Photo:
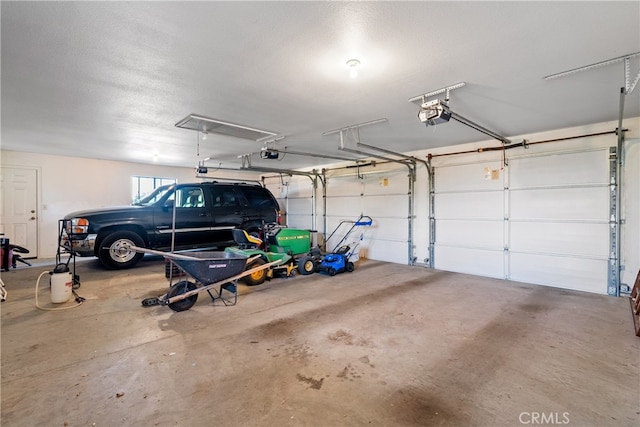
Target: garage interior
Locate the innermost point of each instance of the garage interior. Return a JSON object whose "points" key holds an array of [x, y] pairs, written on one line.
{"points": [[495, 145]]}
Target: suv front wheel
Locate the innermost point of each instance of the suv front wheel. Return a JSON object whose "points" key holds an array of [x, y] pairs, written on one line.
{"points": [[114, 252]]}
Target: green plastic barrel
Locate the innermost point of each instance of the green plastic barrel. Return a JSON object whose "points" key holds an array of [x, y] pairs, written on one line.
{"points": [[291, 240]]}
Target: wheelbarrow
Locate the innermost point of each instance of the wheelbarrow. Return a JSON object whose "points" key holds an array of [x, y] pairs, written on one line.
{"points": [[211, 270]]}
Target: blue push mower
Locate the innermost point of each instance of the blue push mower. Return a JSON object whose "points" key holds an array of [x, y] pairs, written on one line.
{"points": [[339, 259]]}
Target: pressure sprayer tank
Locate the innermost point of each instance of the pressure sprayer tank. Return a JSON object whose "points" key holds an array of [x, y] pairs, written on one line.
{"points": [[61, 285]]}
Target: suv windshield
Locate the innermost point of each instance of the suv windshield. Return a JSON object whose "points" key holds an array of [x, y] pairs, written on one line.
{"points": [[154, 197]]}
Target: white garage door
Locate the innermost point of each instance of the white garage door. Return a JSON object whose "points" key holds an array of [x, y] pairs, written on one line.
{"points": [[543, 219], [296, 198], [384, 197]]}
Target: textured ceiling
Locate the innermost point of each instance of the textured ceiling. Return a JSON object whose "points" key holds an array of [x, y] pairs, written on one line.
{"points": [[109, 80]]}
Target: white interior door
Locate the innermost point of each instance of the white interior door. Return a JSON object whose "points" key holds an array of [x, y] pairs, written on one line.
{"points": [[19, 207]]}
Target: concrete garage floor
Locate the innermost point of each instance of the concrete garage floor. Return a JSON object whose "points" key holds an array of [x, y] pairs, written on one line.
{"points": [[387, 345]]}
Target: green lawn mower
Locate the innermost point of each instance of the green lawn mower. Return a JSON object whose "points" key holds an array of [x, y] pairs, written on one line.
{"points": [[290, 247]]}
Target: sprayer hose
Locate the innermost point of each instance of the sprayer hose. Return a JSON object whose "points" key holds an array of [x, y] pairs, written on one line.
{"points": [[48, 308]]}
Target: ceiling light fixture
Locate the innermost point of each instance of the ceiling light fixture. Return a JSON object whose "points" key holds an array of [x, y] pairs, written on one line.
{"points": [[353, 67]]}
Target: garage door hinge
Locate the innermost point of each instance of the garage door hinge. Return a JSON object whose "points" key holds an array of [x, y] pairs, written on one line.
{"points": [[506, 248]]}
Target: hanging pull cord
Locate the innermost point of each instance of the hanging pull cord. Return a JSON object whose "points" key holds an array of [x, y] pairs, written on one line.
{"points": [[505, 162]]}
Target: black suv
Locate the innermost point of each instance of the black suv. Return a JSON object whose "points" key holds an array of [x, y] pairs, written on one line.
{"points": [[205, 214]]}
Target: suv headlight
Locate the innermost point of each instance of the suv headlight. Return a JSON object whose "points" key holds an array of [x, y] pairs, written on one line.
{"points": [[77, 226]]}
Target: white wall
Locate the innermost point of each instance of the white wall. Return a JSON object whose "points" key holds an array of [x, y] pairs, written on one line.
{"points": [[68, 184]]}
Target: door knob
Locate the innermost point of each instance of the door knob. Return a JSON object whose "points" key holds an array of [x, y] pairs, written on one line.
{"points": [[33, 211], [32, 218]]}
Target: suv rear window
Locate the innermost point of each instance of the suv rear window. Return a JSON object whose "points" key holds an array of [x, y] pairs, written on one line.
{"points": [[224, 196], [258, 197]]}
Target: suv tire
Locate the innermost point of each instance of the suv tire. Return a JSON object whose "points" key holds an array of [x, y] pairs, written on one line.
{"points": [[113, 253]]}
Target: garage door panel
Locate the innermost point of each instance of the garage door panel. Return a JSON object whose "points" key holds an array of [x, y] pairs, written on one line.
{"points": [[300, 206], [348, 207], [387, 229], [584, 203], [390, 251], [302, 188], [387, 183], [485, 204], [470, 177], [334, 221], [565, 272], [386, 206], [550, 210], [383, 235], [300, 221], [276, 189], [381, 228], [295, 198], [558, 169], [480, 262], [303, 221], [344, 186], [582, 239], [482, 234]]}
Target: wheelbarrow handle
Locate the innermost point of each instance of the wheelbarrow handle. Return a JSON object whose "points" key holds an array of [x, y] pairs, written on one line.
{"points": [[169, 255], [221, 282]]}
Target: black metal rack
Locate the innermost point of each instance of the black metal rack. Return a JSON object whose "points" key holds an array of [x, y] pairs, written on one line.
{"points": [[65, 248]]}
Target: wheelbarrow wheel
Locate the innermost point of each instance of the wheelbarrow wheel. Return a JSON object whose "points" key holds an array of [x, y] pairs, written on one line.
{"points": [[179, 289], [306, 265], [258, 277]]}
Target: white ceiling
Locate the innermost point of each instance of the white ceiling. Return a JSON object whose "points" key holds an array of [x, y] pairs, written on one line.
{"points": [[109, 80]]}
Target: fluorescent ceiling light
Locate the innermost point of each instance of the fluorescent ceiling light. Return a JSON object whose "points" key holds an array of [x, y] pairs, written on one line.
{"points": [[207, 125]]}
